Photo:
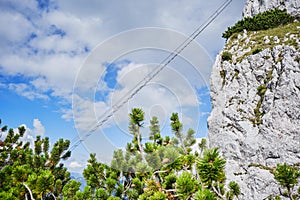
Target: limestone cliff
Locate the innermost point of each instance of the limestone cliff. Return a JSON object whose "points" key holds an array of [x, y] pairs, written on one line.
{"points": [[254, 7], [255, 94]]}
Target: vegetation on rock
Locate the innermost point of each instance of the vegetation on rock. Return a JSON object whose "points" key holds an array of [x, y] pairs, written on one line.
{"points": [[287, 177], [262, 21], [226, 56], [171, 169]]}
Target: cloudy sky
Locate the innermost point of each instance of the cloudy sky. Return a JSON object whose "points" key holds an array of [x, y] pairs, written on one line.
{"points": [[64, 63]]}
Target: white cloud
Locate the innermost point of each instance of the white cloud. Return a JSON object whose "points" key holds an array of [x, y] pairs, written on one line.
{"points": [[30, 134], [81, 30], [162, 96], [85, 112], [38, 128], [75, 164], [25, 90], [67, 114], [50, 60], [14, 22]]}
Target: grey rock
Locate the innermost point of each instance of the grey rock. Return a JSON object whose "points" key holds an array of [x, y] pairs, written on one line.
{"points": [[253, 7], [231, 123], [267, 40], [276, 39]]}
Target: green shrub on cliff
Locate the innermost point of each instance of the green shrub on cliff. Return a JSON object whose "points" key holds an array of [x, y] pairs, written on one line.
{"points": [[261, 21]]}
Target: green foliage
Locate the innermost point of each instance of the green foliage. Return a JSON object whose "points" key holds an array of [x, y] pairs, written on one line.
{"points": [[169, 181], [211, 167], [176, 125], [205, 194], [137, 116], [36, 171], [101, 193], [257, 40], [154, 129], [256, 51], [94, 172], [223, 76], [202, 145], [168, 171], [186, 140], [45, 182], [234, 188], [158, 196], [262, 21], [236, 73], [226, 56], [287, 176], [186, 185], [70, 189], [261, 90], [152, 191], [136, 122], [113, 198]]}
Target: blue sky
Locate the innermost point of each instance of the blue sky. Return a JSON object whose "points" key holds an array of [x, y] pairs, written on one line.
{"points": [[47, 45]]}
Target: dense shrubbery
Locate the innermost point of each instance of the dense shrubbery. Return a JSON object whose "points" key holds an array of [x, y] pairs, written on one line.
{"points": [[160, 169], [261, 21], [31, 173]]}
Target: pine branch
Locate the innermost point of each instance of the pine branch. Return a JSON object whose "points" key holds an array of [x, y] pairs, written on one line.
{"points": [[127, 187], [140, 145], [217, 191], [53, 196], [31, 197], [169, 190], [163, 171]]}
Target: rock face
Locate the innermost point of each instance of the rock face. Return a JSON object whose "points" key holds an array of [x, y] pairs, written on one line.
{"points": [[255, 120], [254, 7]]}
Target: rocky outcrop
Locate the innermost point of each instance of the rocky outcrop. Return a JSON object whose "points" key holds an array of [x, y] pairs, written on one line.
{"points": [[255, 94], [254, 7]]}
